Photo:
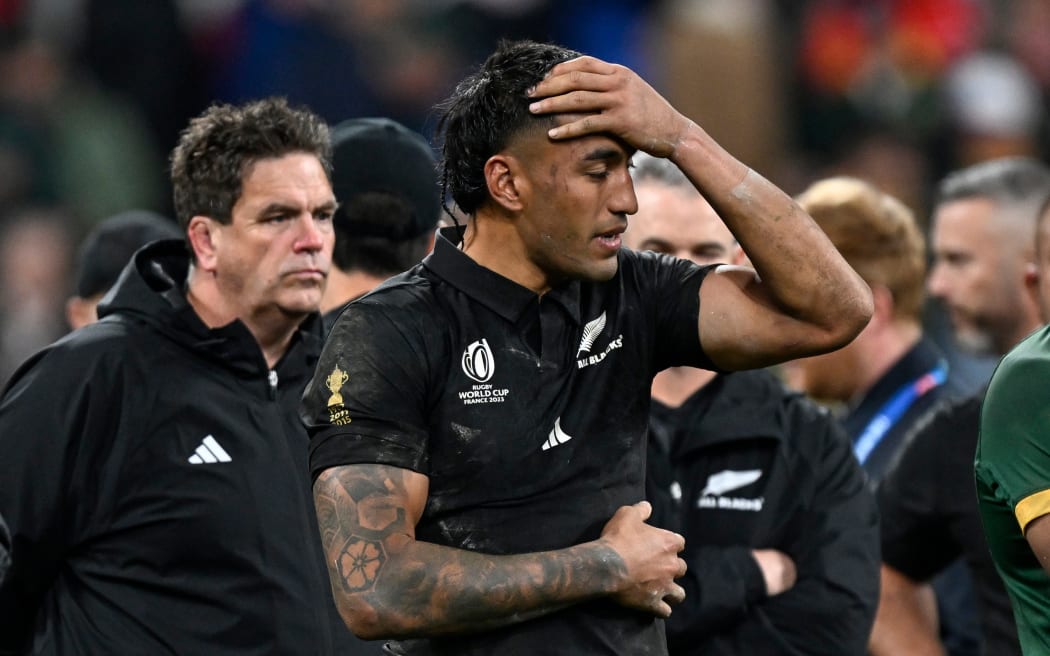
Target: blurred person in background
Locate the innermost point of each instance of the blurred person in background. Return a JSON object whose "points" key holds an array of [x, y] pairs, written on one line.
{"points": [[385, 179], [36, 247], [70, 142], [879, 237], [891, 374], [781, 533], [983, 247], [1012, 467], [104, 253]]}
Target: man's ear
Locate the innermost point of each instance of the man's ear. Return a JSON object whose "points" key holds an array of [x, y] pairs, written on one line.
{"points": [[506, 182], [1031, 275], [205, 237]]}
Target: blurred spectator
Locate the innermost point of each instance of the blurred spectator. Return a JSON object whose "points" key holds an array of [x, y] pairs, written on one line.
{"points": [[69, 142], [993, 108], [142, 52], [984, 224], [35, 254], [891, 374], [878, 62], [729, 46], [103, 254]]}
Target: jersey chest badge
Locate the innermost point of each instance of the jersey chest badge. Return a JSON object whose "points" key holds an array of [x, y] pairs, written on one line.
{"points": [[479, 365]]}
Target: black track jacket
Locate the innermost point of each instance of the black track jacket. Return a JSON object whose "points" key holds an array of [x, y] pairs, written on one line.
{"points": [[154, 478], [744, 464]]}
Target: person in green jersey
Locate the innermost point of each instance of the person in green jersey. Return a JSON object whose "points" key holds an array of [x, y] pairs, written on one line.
{"points": [[1012, 466]]}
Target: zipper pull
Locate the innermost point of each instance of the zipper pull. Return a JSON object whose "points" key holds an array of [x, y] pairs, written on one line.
{"points": [[273, 383]]}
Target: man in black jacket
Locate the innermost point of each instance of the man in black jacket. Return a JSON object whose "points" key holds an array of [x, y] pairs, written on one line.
{"points": [[781, 530], [154, 470]]}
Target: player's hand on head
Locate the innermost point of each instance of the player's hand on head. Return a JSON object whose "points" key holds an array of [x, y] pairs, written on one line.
{"points": [[612, 99]]}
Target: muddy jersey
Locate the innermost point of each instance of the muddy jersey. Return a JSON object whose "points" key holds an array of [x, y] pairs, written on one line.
{"points": [[527, 414]]}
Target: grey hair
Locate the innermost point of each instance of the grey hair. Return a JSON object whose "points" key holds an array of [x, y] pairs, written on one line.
{"points": [[1011, 181]]}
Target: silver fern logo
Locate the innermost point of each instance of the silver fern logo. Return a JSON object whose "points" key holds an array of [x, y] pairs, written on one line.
{"points": [[590, 333], [712, 496], [478, 362], [729, 480]]}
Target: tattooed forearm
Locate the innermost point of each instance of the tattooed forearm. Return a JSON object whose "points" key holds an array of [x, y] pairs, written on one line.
{"points": [[389, 585]]}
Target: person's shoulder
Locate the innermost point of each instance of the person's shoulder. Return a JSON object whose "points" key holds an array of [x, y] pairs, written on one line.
{"points": [[760, 399], [632, 261], [764, 387], [407, 304], [645, 271], [413, 288], [757, 386], [105, 345], [1026, 363], [99, 339]]}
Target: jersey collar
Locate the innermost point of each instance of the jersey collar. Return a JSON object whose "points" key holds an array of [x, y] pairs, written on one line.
{"points": [[501, 295]]}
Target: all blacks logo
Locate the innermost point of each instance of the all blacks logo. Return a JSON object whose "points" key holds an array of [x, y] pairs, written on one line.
{"points": [[477, 361]]}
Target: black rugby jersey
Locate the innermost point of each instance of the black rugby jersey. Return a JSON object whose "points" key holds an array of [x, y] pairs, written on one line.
{"points": [[528, 414]]}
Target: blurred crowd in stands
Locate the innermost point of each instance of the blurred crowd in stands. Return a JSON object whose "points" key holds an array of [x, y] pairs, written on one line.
{"points": [[94, 92]]}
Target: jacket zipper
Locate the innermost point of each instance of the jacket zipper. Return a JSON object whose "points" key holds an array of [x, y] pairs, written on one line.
{"points": [[273, 384]]}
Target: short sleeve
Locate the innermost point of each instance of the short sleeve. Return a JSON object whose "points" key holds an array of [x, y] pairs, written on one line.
{"points": [[1014, 447], [367, 399], [671, 289]]}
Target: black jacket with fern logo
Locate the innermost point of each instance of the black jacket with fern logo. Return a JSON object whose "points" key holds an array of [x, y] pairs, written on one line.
{"points": [[744, 464]]}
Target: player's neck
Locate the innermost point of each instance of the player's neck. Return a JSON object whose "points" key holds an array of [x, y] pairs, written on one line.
{"points": [[492, 241]]}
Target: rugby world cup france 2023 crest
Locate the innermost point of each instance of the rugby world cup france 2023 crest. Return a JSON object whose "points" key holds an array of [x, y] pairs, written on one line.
{"points": [[478, 363]]}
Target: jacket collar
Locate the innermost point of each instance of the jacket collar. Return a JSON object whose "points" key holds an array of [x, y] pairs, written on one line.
{"points": [[151, 289]]}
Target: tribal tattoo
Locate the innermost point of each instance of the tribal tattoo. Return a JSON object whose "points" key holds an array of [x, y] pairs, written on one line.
{"points": [[402, 588]]}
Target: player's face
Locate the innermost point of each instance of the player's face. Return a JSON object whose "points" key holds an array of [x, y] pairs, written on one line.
{"points": [[577, 197], [679, 222], [977, 274], [274, 255]]}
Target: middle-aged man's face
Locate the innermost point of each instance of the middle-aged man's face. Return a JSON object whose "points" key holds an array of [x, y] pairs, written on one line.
{"points": [[578, 194], [274, 255], [679, 221], [978, 273]]}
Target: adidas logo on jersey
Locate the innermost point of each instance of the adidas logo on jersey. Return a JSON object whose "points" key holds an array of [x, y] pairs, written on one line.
{"points": [[209, 451], [557, 436]]}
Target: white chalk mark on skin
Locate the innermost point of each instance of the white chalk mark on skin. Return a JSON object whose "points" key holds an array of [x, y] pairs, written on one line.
{"points": [[744, 189]]}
